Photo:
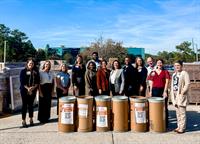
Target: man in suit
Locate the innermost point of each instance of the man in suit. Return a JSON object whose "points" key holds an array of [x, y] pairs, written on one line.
{"points": [[130, 75]]}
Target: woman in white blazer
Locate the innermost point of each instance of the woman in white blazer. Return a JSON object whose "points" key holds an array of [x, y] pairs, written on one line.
{"points": [[179, 95], [116, 79]]}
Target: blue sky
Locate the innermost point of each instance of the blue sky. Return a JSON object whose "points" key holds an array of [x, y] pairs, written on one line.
{"points": [[156, 25]]}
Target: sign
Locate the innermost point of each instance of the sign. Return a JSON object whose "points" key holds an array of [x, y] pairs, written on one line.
{"points": [[67, 116], [83, 110], [102, 117], [140, 113]]}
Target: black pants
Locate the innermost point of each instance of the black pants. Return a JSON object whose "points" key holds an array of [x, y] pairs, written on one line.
{"points": [[27, 103], [112, 87], [158, 92], [44, 109]]}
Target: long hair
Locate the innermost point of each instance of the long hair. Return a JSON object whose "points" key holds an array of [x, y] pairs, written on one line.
{"points": [[79, 56], [119, 65], [66, 67], [30, 59], [163, 68], [47, 61], [136, 61], [88, 66]]}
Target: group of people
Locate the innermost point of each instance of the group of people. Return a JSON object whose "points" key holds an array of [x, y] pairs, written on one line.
{"points": [[95, 78]]}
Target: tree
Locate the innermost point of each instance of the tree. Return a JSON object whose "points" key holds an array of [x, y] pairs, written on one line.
{"points": [[185, 52], [40, 55], [168, 57], [106, 49], [68, 57], [19, 48], [4, 35]]}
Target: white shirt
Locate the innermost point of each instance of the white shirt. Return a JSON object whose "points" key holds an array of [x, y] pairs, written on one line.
{"points": [[46, 77], [150, 69], [113, 76]]}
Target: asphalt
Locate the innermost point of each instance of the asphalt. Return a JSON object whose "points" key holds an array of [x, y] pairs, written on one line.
{"points": [[11, 133]]}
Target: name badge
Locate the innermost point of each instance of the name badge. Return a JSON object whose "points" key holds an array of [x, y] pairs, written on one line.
{"points": [[28, 73]]}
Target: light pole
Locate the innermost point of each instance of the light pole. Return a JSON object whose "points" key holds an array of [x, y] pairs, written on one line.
{"points": [[4, 58]]}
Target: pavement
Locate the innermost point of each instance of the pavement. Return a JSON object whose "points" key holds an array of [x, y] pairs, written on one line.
{"points": [[11, 133]]}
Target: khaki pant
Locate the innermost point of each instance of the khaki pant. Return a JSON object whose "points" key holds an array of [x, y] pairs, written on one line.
{"points": [[181, 117]]}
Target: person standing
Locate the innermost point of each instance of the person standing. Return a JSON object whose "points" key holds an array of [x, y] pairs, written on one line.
{"points": [[142, 76], [159, 80], [46, 89], [150, 67], [130, 76], [90, 80], [29, 81], [63, 83], [78, 76], [179, 95], [103, 75], [116, 80], [95, 59]]}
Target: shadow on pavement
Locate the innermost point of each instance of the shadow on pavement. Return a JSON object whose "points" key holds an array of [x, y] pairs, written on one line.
{"points": [[193, 121]]}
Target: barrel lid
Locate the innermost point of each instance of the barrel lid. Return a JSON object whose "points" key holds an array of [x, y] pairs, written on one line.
{"points": [[156, 99], [119, 98], [138, 99], [103, 98], [67, 99], [84, 97]]}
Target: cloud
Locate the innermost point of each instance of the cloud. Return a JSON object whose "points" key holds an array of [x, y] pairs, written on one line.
{"points": [[139, 25]]}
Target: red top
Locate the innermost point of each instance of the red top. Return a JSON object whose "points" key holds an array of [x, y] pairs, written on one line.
{"points": [[159, 80]]}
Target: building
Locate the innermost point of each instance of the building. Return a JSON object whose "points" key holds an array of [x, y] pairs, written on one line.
{"points": [[62, 50], [136, 51]]}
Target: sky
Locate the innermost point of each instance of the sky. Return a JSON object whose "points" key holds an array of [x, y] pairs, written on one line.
{"points": [[156, 25]]}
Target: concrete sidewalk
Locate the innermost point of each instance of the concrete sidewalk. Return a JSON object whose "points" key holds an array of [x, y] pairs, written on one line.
{"points": [[11, 133]]}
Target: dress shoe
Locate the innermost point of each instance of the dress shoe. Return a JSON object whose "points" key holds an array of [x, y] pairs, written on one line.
{"points": [[180, 132], [176, 130]]}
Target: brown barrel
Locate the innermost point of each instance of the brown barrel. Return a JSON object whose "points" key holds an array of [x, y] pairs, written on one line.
{"points": [[85, 110], [139, 114], [103, 113], [157, 114], [120, 113], [67, 114]]}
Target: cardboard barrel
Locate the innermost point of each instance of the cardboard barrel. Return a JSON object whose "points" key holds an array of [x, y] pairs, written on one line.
{"points": [[157, 114], [85, 110], [120, 113], [139, 114], [103, 113], [67, 114]]}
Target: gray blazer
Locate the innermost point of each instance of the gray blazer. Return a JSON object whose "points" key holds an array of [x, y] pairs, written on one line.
{"points": [[119, 81]]}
